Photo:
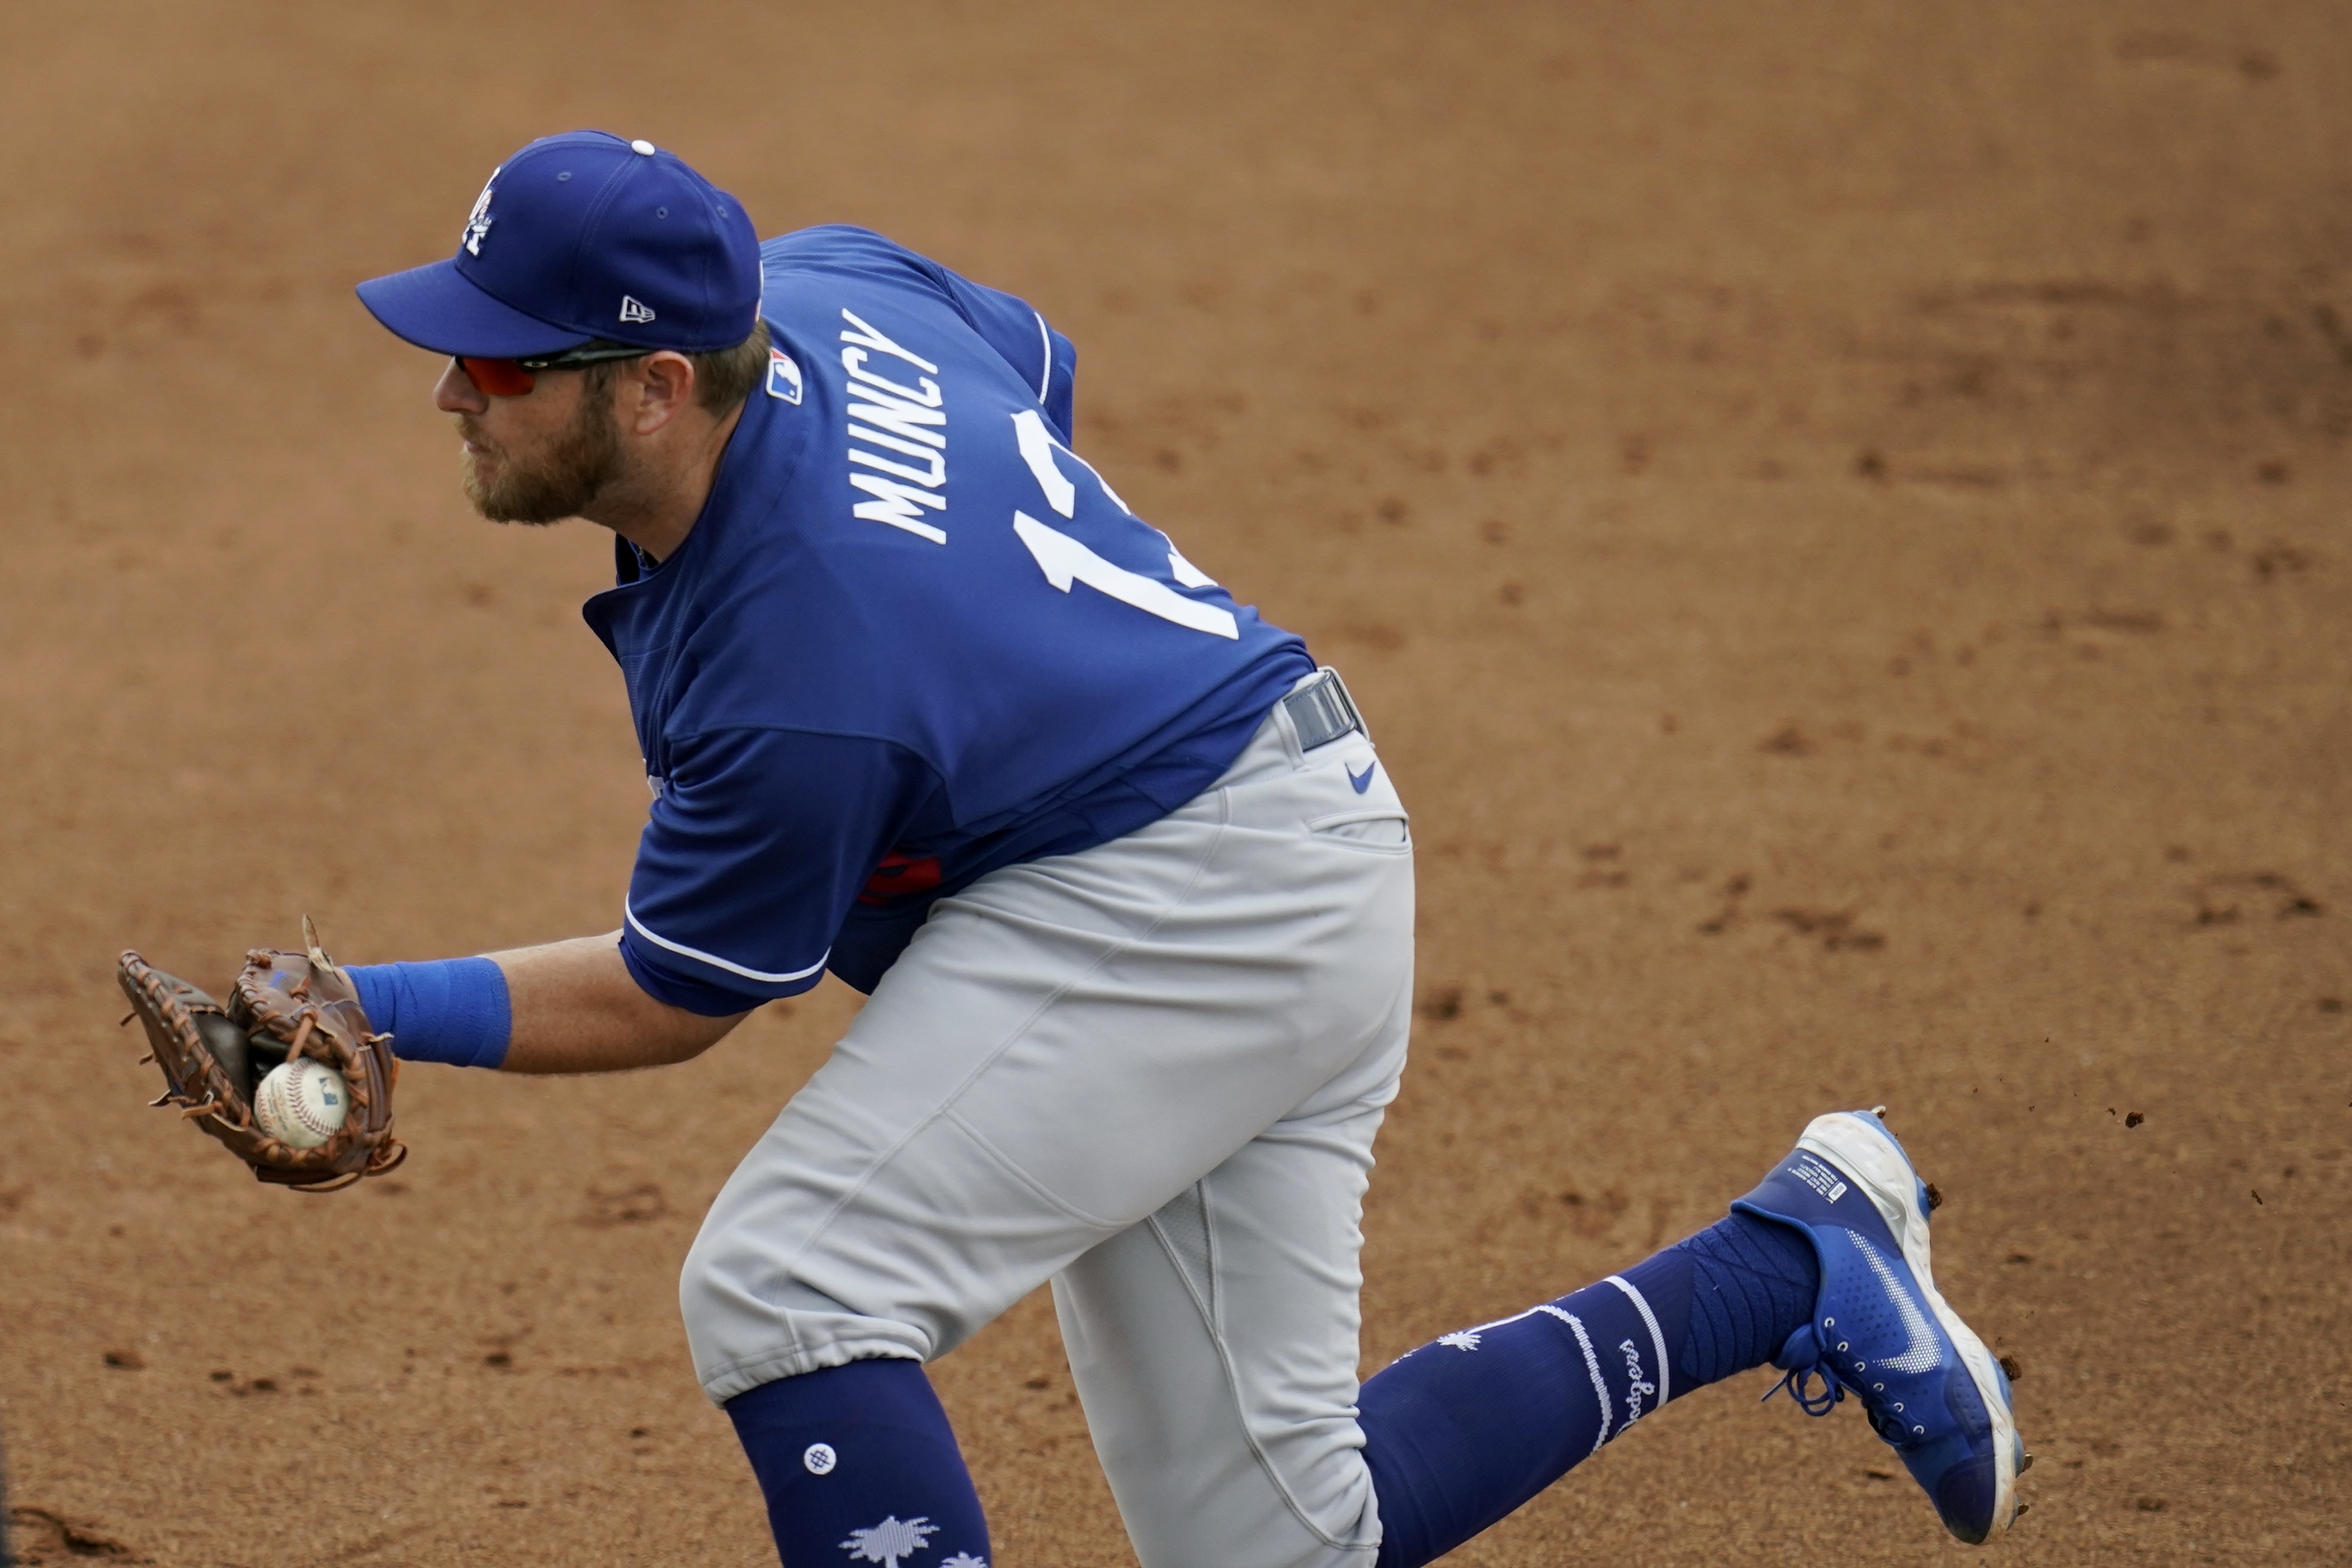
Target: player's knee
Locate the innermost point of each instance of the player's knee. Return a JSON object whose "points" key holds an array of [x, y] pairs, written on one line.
{"points": [[750, 1319], [729, 1305], [722, 1283]]}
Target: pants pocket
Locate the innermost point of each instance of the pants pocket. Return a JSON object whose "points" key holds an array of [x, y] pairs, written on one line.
{"points": [[1372, 827]]}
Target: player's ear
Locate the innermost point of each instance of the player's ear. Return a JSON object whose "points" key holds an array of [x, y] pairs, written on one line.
{"points": [[662, 384]]}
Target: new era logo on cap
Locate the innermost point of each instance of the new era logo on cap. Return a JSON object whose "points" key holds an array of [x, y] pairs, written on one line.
{"points": [[633, 310]]}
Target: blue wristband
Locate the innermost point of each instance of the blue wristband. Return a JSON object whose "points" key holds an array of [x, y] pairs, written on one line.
{"points": [[452, 1010]]}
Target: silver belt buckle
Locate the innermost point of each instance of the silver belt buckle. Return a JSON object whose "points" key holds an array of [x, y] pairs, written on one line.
{"points": [[1322, 711]]}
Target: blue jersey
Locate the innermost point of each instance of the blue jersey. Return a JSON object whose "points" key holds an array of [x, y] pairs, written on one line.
{"points": [[912, 638]]}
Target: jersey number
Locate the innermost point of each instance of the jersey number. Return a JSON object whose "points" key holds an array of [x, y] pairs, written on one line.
{"points": [[1065, 560]]}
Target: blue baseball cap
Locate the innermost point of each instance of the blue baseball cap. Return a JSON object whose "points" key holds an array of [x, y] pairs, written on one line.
{"points": [[582, 236]]}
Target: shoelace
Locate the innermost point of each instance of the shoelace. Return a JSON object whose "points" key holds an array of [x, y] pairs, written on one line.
{"points": [[1887, 1425], [1814, 1404], [1804, 1358]]}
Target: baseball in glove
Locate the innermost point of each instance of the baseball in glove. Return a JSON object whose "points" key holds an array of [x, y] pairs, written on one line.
{"points": [[284, 1005]]}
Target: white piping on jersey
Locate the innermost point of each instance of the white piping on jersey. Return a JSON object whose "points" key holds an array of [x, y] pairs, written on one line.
{"points": [[714, 960], [1045, 376], [1657, 1340]]}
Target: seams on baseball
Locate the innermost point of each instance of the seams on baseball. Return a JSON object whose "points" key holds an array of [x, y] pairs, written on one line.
{"points": [[302, 1103]]}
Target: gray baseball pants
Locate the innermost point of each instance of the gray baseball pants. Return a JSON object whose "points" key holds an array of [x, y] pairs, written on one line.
{"points": [[1150, 1073]]}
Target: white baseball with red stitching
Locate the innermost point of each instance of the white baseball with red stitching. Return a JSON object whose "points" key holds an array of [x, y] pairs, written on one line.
{"points": [[302, 1103]]}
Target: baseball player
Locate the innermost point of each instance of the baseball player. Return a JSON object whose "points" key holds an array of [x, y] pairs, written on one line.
{"points": [[925, 704]]}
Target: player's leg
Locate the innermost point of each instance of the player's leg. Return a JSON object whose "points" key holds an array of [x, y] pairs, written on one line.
{"points": [[1823, 1270], [860, 1458], [1464, 1430], [1065, 1047], [1214, 1345]]}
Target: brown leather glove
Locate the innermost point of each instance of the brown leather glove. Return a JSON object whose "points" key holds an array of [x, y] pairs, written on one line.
{"points": [[284, 1005]]}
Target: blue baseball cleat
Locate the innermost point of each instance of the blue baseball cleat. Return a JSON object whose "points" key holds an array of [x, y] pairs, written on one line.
{"points": [[1882, 1332]]}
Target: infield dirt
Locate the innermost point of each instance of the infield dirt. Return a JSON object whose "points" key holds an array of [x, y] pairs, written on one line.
{"points": [[1835, 514]]}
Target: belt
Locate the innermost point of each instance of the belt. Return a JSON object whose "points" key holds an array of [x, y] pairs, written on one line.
{"points": [[1321, 711]]}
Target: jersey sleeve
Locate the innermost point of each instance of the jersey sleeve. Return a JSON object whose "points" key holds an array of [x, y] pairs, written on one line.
{"points": [[759, 843], [1017, 332]]}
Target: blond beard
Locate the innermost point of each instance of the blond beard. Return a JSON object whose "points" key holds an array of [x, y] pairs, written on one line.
{"points": [[562, 483]]}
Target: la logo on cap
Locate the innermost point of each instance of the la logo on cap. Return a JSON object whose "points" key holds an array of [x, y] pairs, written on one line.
{"points": [[632, 311], [477, 221]]}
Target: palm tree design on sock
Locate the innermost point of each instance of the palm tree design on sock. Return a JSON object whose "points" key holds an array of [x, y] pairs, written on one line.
{"points": [[965, 1560], [892, 1539]]}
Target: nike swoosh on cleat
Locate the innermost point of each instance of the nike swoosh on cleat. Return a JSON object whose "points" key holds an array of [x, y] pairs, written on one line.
{"points": [[1364, 783], [1922, 1353]]}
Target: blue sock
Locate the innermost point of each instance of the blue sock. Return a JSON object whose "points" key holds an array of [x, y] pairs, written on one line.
{"points": [[1461, 1432], [1752, 1285], [860, 1459], [454, 1010]]}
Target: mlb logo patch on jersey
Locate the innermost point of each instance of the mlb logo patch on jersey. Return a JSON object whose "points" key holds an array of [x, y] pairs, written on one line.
{"points": [[784, 376]]}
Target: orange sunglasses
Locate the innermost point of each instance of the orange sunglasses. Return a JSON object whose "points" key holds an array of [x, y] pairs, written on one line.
{"points": [[514, 377]]}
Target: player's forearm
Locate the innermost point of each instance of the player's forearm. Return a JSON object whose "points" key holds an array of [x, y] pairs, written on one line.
{"points": [[576, 1008], [567, 1006]]}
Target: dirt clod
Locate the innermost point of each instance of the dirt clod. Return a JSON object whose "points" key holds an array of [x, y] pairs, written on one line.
{"points": [[1442, 1005], [42, 1537]]}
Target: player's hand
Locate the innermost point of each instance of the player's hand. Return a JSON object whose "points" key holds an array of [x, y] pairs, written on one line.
{"points": [[288, 1075]]}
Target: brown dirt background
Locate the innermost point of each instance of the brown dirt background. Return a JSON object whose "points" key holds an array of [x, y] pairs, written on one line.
{"points": [[1835, 511]]}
